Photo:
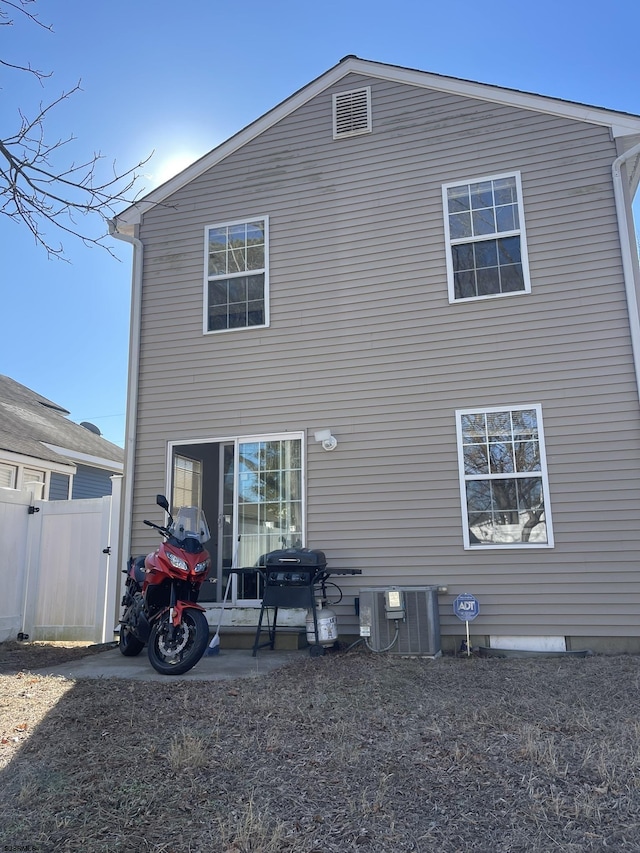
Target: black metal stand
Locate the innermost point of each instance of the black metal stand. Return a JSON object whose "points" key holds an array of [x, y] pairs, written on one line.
{"points": [[287, 595]]}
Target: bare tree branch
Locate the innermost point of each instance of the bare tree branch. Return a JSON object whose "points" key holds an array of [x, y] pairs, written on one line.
{"points": [[22, 6], [37, 189]]}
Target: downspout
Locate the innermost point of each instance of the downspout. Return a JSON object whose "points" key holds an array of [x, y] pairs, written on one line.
{"points": [[629, 261], [132, 393]]}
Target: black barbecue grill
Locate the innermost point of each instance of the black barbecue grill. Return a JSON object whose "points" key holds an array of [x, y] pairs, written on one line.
{"points": [[293, 578]]}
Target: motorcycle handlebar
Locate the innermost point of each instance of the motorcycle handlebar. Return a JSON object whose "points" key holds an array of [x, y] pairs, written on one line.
{"points": [[157, 527]]}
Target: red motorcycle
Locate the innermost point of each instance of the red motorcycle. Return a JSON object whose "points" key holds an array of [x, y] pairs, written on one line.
{"points": [[161, 595]]}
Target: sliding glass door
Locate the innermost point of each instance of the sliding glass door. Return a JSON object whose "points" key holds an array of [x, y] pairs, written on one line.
{"points": [[261, 497]]}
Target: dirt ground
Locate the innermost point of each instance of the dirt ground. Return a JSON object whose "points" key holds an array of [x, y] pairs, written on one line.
{"points": [[351, 751]]}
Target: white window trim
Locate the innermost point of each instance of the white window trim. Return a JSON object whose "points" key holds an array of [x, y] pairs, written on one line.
{"points": [[205, 294], [13, 472], [521, 232], [543, 476], [20, 462], [42, 488], [69, 487]]}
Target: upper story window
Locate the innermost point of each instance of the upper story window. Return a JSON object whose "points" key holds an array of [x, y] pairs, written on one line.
{"points": [[503, 477], [487, 247], [236, 286]]}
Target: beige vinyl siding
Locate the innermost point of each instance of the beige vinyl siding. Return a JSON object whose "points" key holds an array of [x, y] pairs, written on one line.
{"points": [[364, 341]]}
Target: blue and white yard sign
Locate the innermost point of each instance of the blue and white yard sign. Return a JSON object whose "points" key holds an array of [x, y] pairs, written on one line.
{"points": [[466, 607]]}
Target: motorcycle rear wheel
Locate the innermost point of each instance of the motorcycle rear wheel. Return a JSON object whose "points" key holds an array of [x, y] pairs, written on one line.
{"points": [[129, 645], [175, 652]]}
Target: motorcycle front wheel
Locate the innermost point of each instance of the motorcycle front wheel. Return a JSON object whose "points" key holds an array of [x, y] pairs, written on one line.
{"points": [[176, 649]]}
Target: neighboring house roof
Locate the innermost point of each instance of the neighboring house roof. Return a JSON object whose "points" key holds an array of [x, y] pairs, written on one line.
{"points": [[31, 425], [624, 126]]}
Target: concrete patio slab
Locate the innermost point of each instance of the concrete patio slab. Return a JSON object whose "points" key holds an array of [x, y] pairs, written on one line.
{"points": [[231, 663]]}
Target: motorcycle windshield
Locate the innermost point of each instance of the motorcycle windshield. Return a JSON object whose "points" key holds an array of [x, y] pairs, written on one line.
{"points": [[190, 523]]}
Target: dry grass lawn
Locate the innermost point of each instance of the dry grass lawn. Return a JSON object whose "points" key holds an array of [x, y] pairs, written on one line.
{"points": [[346, 752]]}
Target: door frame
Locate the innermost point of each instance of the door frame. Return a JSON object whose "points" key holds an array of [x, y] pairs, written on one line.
{"points": [[214, 522]]}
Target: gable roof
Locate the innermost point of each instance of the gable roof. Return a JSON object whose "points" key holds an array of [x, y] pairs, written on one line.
{"points": [[31, 425], [624, 126]]}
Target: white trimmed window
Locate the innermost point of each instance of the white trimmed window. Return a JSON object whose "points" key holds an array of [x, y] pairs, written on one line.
{"points": [[486, 241], [503, 478], [236, 286], [8, 476], [25, 479], [35, 481]]}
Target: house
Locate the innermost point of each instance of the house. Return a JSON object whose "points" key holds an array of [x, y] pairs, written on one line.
{"points": [[396, 319], [43, 452]]}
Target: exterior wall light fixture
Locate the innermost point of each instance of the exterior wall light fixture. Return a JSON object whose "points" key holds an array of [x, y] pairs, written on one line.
{"points": [[328, 441]]}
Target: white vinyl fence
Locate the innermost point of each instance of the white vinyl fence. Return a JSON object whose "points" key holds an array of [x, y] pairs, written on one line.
{"points": [[57, 578]]}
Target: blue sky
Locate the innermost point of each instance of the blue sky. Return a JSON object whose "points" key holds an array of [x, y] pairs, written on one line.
{"points": [[179, 79]]}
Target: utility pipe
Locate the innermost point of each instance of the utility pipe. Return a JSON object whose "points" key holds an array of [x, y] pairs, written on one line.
{"points": [[126, 508]]}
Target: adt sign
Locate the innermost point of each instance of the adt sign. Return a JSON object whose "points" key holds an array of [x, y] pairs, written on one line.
{"points": [[466, 607]]}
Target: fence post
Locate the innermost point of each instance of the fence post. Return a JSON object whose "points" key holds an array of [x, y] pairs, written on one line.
{"points": [[109, 616], [32, 569]]}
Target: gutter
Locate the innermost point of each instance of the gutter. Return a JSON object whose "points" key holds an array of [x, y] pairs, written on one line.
{"points": [[629, 261], [86, 458], [126, 507]]}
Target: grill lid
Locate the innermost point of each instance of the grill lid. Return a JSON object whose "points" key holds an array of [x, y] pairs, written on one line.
{"points": [[294, 560]]}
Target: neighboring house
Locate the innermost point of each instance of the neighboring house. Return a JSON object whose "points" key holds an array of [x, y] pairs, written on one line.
{"points": [[441, 275], [43, 452]]}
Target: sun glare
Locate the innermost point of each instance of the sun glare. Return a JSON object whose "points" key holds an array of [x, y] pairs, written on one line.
{"points": [[167, 167]]}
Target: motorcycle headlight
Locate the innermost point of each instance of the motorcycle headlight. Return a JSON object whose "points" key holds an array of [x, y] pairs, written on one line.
{"points": [[177, 563], [203, 566]]}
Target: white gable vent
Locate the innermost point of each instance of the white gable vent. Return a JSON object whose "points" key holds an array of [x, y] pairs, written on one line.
{"points": [[352, 113]]}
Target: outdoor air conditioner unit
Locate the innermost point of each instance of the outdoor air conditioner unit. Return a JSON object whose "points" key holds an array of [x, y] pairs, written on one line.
{"points": [[413, 614]]}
